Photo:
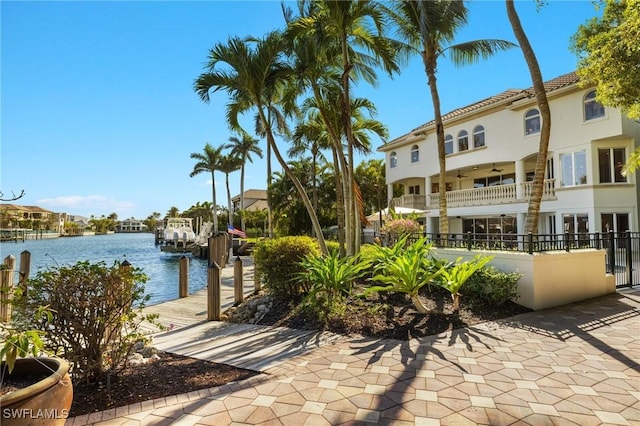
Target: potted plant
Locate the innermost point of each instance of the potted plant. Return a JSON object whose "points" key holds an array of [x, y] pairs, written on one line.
{"points": [[35, 389]]}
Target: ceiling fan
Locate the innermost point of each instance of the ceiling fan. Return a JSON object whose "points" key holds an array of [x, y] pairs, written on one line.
{"points": [[494, 170], [460, 176]]}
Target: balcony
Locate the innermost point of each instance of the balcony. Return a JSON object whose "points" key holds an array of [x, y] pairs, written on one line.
{"points": [[490, 195]]}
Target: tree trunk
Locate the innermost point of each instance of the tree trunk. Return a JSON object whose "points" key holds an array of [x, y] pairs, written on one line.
{"points": [[353, 219], [430, 69], [242, 221], [533, 210], [269, 221], [214, 209]]}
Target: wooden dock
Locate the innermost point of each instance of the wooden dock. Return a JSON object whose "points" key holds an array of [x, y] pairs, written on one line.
{"points": [[250, 346]]}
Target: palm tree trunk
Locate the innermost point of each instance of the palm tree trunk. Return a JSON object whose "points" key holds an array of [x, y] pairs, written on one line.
{"points": [[296, 182], [242, 224], [352, 217], [214, 209], [269, 178], [537, 188], [442, 186]]}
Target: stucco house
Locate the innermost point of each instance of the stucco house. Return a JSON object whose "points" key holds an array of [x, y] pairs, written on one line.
{"points": [[491, 148]]}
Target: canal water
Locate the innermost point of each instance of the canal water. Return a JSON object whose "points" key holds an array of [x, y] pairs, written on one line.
{"points": [[137, 249]]}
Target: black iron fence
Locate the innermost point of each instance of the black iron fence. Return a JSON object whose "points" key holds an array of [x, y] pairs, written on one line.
{"points": [[622, 248]]}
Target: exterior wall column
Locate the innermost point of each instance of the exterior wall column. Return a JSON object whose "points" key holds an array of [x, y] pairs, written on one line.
{"points": [[520, 221], [521, 178], [427, 191], [429, 225], [389, 195]]}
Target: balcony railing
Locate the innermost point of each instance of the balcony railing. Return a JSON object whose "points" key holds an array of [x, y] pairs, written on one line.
{"points": [[490, 195]]}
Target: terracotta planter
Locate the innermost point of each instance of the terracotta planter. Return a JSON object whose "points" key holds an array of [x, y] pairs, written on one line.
{"points": [[46, 402]]}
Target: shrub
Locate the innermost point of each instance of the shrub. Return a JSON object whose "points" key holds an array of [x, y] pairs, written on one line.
{"points": [[492, 286], [96, 312], [454, 277], [398, 228], [330, 279], [278, 263]]}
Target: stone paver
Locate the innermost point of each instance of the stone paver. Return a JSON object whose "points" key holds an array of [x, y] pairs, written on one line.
{"points": [[577, 364]]}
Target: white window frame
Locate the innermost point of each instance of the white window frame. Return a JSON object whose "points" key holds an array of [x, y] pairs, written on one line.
{"points": [[448, 140], [529, 117], [572, 160], [477, 132], [393, 160], [415, 154], [589, 104], [463, 136]]}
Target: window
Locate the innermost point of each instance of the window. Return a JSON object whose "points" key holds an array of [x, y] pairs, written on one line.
{"points": [[610, 164], [415, 190], [574, 168], [478, 136], [415, 154], [463, 141], [592, 108], [532, 122], [393, 159], [448, 144], [576, 223]]}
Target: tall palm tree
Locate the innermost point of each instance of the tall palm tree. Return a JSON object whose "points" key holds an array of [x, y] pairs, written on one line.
{"points": [[209, 161], [428, 28], [243, 148], [254, 74], [537, 187], [357, 31], [228, 164]]}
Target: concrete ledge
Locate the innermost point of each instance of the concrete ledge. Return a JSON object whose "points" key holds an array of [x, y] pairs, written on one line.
{"points": [[551, 278]]}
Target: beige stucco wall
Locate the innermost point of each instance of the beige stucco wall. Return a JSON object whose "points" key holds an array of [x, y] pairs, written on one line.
{"points": [[550, 279]]}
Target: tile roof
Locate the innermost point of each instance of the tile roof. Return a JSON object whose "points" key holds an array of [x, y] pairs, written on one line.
{"points": [[511, 95]]}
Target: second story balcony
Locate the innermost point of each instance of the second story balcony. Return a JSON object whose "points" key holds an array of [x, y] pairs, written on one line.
{"points": [[490, 195]]}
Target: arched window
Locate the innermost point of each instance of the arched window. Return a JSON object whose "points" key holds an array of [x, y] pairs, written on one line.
{"points": [[463, 141], [448, 144], [393, 159], [592, 108], [415, 154], [478, 136], [532, 122]]}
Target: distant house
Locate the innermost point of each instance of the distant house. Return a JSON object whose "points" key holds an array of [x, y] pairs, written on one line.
{"points": [[254, 199], [27, 217], [131, 225]]}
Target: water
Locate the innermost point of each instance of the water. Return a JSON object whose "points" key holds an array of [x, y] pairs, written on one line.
{"points": [[137, 249]]}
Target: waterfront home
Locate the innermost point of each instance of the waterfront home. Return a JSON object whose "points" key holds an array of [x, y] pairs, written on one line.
{"points": [[254, 199], [131, 225], [491, 149]]}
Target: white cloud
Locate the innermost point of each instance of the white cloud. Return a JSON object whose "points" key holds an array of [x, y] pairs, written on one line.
{"points": [[86, 204]]}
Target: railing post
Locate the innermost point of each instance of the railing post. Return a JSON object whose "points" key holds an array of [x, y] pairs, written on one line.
{"points": [[530, 238], [183, 287], [597, 237], [627, 237], [469, 242], [6, 288], [566, 242], [612, 252], [237, 280], [213, 292]]}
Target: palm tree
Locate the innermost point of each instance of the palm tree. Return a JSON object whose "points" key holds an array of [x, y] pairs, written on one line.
{"points": [[243, 148], [537, 187], [209, 161], [356, 30], [228, 164], [428, 28], [254, 75]]}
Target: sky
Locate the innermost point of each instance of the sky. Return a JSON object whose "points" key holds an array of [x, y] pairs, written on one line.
{"points": [[98, 114]]}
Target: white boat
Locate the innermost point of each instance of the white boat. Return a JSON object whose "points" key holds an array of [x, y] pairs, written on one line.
{"points": [[178, 233]]}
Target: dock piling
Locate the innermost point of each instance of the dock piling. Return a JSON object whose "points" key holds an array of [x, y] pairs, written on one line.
{"points": [[213, 292], [183, 288]]}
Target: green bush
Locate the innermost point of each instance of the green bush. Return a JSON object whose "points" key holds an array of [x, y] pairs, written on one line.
{"points": [[278, 263], [492, 286], [96, 313]]}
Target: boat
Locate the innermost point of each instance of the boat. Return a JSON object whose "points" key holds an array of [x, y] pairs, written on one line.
{"points": [[177, 235]]}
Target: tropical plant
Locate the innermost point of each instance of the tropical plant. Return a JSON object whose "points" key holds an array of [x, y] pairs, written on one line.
{"points": [[209, 161], [399, 227], [354, 33], [254, 75], [609, 55], [537, 186], [243, 148], [229, 163], [330, 278], [490, 286], [428, 28], [406, 269], [454, 277]]}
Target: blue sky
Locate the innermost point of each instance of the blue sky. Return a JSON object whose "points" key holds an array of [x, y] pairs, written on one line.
{"points": [[98, 112]]}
